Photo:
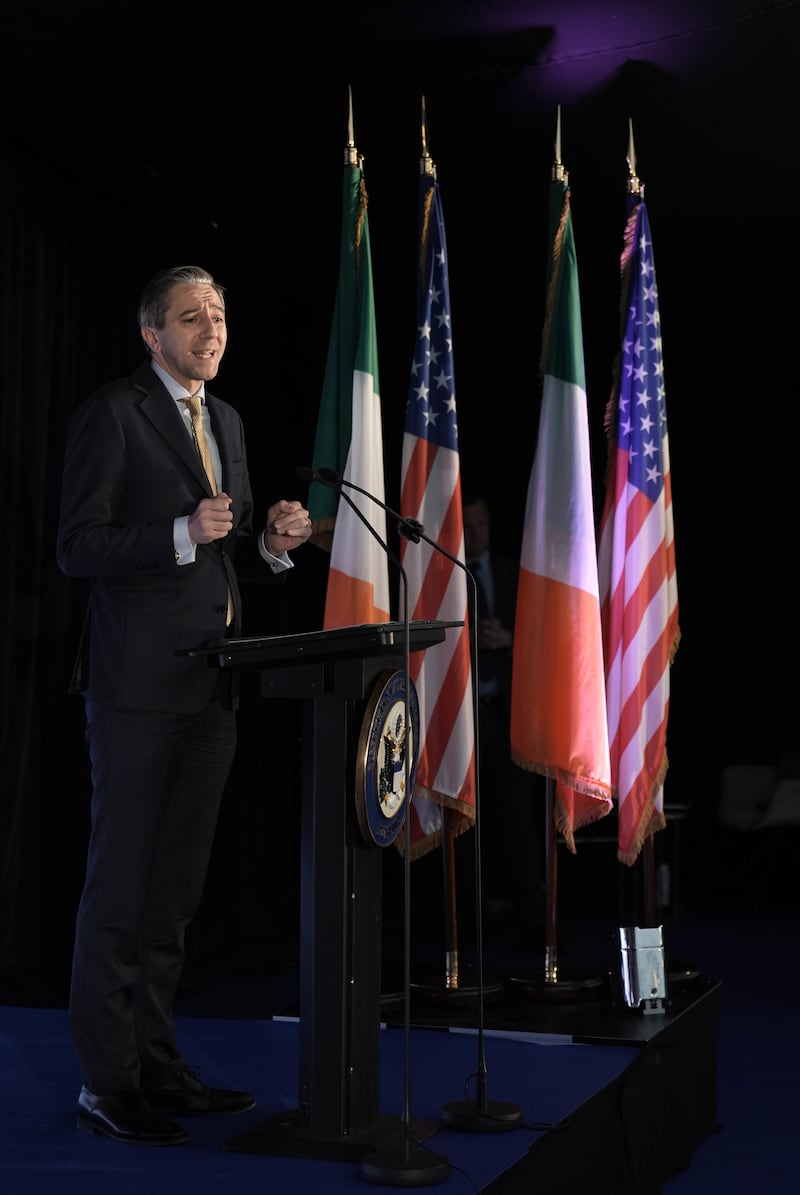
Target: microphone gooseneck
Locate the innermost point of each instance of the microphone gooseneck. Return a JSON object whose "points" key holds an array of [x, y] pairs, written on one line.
{"points": [[409, 528]]}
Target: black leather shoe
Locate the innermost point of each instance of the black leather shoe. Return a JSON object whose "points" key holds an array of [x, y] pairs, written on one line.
{"points": [[183, 1094], [126, 1117]]}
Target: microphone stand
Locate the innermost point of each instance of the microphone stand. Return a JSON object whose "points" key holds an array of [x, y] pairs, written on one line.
{"points": [[414, 1166], [482, 1114]]}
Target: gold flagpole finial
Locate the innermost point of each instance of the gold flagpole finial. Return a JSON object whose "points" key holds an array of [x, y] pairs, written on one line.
{"points": [[350, 151], [635, 185], [559, 174], [426, 165]]}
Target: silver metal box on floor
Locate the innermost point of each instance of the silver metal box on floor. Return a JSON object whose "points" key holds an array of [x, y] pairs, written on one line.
{"points": [[638, 971]]}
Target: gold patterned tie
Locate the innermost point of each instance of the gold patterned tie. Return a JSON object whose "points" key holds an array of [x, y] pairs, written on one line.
{"points": [[195, 405]]}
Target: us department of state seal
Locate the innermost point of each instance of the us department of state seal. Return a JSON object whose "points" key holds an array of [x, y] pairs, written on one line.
{"points": [[386, 758]]}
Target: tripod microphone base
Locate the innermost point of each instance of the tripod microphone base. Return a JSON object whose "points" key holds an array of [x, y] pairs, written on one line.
{"points": [[498, 1116], [407, 1167]]}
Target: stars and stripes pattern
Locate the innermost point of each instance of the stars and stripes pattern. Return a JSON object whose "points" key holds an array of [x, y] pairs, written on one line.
{"points": [[431, 494], [639, 595]]}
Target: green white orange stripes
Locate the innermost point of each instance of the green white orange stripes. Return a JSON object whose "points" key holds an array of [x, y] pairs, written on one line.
{"points": [[558, 709], [349, 437]]}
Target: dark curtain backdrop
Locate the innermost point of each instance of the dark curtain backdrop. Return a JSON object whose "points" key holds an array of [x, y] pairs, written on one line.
{"points": [[89, 215], [72, 266]]}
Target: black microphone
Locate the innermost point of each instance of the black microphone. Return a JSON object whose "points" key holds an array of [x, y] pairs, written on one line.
{"points": [[306, 474], [409, 528], [323, 475]]}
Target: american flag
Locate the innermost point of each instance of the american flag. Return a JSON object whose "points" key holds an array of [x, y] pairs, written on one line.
{"points": [[431, 494], [638, 585]]}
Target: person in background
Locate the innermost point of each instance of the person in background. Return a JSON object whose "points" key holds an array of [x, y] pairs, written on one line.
{"points": [[156, 530], [512, 799]]}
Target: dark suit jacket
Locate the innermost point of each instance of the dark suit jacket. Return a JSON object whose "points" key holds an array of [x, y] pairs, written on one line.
{"points": [[130, 469]]}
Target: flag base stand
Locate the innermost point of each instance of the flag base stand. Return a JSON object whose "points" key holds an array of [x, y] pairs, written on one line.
{"points": [[681, 971], [455, 986], [431, 985], [554, 985], [559, 989]]}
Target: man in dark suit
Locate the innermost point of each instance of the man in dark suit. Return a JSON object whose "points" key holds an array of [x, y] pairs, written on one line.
{"points": [[512, 799], [156, 531]]}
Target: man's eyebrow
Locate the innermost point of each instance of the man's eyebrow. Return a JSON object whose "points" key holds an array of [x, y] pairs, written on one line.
{"points": [[194, 310]]}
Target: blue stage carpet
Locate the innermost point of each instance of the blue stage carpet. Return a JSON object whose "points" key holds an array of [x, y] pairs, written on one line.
{"points": [[548, 1076]]}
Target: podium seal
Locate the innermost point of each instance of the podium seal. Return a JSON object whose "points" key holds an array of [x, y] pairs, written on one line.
{"points": [[386, 758]]}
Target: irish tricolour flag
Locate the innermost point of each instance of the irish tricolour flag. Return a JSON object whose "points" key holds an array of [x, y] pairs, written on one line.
{"points": [[349, 436], [558, 705]]}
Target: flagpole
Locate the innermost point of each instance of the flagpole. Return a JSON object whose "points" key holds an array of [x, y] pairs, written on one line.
{"points": [[558, 175], [453, 987], [638, 589], [480, 1114], [552, 983], [647, 858], [450, 984], [412, 1165], [635, 185]]}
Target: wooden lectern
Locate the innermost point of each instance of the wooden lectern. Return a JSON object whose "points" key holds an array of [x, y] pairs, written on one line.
{"points": [[333, 672]]}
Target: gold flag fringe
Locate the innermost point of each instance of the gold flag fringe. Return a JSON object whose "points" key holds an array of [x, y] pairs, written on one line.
{"points": [[363, 200], [425, 233], [464, 821], [651, 821], [564, 822], [551, 289], [322, 529]]}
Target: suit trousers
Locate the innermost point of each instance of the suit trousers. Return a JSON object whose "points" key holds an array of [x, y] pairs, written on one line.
{"points": [[158, 780]]}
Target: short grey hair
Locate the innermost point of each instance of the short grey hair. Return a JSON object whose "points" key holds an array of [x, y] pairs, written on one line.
{"points": [[154, 300]]}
